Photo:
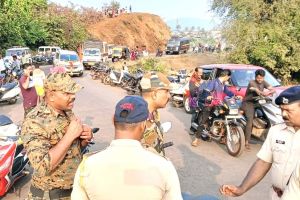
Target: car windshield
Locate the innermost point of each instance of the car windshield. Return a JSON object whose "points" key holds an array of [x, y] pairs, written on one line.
{"points": [[69, 57], [14, 52], [91, 52], [242, 77], [173, 42]]}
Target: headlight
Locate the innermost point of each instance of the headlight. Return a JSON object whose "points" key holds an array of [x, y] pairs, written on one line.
{"points": [[233, 111], [14, 73]]}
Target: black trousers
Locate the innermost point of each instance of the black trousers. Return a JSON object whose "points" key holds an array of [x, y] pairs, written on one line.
{"points": [[203, 120]]}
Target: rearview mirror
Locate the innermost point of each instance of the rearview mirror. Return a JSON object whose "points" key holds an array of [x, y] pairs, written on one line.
{"points": [[166, 126]]}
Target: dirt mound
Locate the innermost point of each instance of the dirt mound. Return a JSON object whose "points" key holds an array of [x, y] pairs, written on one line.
{"points": [[133, 29]]}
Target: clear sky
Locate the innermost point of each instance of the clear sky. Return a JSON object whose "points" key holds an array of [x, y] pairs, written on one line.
{"points": [[167, 9]]}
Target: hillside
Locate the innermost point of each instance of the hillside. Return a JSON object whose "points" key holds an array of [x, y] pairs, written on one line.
{"points": [[132, 29]]}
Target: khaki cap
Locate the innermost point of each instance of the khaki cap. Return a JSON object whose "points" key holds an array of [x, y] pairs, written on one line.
{"points": [[61, 82], [154, 80]]}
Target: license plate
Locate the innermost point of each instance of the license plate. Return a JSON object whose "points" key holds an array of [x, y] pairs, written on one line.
{"points": [[90, 63]]}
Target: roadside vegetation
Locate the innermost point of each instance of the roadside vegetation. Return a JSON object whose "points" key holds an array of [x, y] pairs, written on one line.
{"points": [[264, 33]]}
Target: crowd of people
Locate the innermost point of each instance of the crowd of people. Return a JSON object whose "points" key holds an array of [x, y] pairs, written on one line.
{"points": [[135, 165], [111, 12]]}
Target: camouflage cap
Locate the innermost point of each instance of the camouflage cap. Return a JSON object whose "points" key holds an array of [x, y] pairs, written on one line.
{"points": [[61, 82], [154, 80]]}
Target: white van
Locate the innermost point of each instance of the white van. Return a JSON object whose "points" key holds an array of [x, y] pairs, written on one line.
{"points": [[48, 50], [70, 61]]}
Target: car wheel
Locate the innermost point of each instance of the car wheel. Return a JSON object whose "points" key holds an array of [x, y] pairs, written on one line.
{"points": [[186, 105], [12, 101]]}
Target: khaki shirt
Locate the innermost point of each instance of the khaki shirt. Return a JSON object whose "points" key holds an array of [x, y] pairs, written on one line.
{"points": [[282, 149], [153, 136], [293, 189], [42, 129], [125, 170]]}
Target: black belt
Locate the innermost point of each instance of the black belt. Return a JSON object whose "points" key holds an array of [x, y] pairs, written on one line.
{"points": [[53, 194]]}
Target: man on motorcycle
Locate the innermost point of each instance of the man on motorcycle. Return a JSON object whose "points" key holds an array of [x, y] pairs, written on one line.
{"points": [[155, 90], [216, 88], [194, 84], [255, 88]]}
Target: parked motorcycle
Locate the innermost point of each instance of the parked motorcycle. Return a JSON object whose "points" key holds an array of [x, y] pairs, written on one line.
{"points": [[12, 153], [9, 92], [267, 114], [177, 94], [224, 125], [134, 82], [99, 71], [116, 78]]}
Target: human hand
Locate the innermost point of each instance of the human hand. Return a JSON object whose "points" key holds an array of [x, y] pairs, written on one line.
{"points": [[231, 190], [86, 133], [75, 128], [209, 98], [265, 94]]}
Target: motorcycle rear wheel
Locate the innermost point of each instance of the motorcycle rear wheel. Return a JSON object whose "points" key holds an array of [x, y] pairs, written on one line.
{"points": [[236, 146]]}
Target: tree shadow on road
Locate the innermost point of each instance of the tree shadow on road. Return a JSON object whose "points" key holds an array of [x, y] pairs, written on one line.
{"points": [[201, 178]]}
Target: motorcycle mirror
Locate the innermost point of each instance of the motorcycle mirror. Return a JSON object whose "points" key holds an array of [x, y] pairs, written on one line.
{"points": [[238, 89], [166, 126]]}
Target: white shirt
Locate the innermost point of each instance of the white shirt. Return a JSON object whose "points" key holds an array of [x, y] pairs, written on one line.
{"points": [[293, 189], [125, 170], [282, 149], [2, 66]]}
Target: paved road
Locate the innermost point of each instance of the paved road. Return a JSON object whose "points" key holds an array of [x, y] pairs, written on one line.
{"points": [[201, 170]]}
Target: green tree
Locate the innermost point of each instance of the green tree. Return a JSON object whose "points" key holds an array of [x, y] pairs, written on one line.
{"points": [[115, 5], [263, 32], [21, 23]]}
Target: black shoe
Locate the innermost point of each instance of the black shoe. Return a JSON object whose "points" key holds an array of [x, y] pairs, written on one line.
{"points": [[192, 131]]}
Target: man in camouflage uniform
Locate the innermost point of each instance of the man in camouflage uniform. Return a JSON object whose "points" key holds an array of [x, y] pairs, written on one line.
{"points": [[53, 137], [155, 90]]}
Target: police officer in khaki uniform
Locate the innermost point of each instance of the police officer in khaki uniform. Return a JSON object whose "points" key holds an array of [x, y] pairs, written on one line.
{"points": [[280, 152], [293, 189], [53, 137], [155, 90]]}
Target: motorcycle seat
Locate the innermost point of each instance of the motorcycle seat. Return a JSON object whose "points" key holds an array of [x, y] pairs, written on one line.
{"points": [[4, 120], [9, 86]]}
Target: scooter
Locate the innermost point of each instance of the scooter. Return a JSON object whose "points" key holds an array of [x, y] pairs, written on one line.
{"points": [[115, 78], [9, 92], [12, 153], [177, 94]]}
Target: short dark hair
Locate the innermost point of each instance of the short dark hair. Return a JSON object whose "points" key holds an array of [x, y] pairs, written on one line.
{"points": [[196, 69], [126, 126], [260, 72], [225, 72]]}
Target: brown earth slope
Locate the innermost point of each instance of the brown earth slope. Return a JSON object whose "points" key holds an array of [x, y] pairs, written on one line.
{"points": [[132, 29]]}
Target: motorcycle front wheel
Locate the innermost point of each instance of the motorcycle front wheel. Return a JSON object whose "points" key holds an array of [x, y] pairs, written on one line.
{"points": [[235, 140]]}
